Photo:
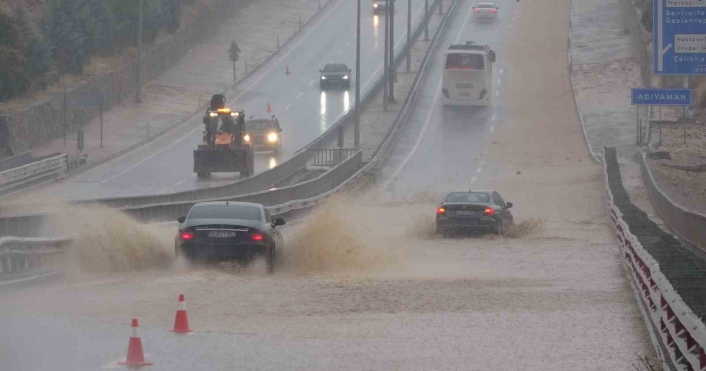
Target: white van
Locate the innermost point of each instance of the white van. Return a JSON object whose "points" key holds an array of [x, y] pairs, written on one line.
{"points": [[468, 75]]}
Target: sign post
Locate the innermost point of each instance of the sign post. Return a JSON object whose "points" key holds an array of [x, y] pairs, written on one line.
{"points": [[233, 53], [658, 97]]}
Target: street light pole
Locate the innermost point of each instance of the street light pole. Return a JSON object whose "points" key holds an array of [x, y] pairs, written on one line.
{"points": [[391, 78], [409, 35], [356, 134], [426, 20], [138, 97], [385, 67]]}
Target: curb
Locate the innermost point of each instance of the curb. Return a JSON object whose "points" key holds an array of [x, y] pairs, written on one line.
{"points": [[179, 122]]}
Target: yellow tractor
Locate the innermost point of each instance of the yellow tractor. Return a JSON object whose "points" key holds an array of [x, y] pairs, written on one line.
{"points": [[223, 149]]}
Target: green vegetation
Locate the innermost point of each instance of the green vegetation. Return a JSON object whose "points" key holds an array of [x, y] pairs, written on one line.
{"points": [[70, 32]]}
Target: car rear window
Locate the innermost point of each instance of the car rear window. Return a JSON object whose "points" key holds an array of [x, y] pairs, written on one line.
{"points": [[468, 197], [225, 212], [336, 68], [485, 5], [456, 61], [260, 125]]}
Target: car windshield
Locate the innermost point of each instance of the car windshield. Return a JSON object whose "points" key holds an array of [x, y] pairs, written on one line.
{"points": [[458, 61], [468, 197], [336, 68], [260, 125], [486, 5], [225, 212]]}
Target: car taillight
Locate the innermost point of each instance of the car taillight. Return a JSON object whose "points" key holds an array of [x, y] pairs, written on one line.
{"points": [[186, 235], [477, 10], [489, 211], [492, 10], [441, 211], [257, 237]]}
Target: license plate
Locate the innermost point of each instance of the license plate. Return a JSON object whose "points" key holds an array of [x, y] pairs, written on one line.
{"points": [[221, 234], [464, 212], [464, 86], [465, 94]]}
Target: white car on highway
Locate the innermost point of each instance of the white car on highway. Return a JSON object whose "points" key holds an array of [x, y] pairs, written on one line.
{"points": [[485, 11]]}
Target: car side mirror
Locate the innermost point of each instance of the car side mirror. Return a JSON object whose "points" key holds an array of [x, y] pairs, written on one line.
{"points": [[181, 219], [473, 7], [280, 221], [497, 7], [321, 71], [350, 70], [508, 205]]}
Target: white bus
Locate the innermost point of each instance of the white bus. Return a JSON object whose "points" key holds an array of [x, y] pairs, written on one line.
{"points": [[468, 75]]}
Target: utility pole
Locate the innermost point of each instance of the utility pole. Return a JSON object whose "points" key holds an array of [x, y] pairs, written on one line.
{"points": [[138, 97], [356, 134], [385, 67], [426, 20], [393, 70], [409, 35]]}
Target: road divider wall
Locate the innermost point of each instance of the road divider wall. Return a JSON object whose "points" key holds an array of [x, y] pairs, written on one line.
{"points": [[669, 279]]}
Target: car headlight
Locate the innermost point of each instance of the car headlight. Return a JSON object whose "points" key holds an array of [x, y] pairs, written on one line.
{"points": [[272, 137], [213, 114], [375, 5], [345, 77], [235, 114], [323, 77], [246, 137]]}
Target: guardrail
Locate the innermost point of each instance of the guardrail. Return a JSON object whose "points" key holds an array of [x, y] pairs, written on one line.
{"points": [[19, 256], [689, 225], [22, 175], [325, 182], [679, 333], [330, 156]]}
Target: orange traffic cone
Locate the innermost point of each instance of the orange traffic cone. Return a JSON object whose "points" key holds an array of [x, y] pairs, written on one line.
{"points": [[181, 322], [135, 357]]}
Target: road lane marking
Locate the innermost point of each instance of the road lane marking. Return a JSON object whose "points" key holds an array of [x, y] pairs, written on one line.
{"points": [[502, 70], [493, 117], [498, 81], [286, 108], [497, 93], [301, 93], [478, 170], [492, 128], [465, 22], [473, 180], [339, 52], [419, 139], [312, 82]]}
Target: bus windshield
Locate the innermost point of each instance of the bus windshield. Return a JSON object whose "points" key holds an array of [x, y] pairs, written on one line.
{"points": [[457, 61]]}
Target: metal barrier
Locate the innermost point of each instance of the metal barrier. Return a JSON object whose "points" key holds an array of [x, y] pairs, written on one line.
{"points": [[679, 334], [689, 225], [325, 182], [22, 175], [19, 256], [330, 156]]}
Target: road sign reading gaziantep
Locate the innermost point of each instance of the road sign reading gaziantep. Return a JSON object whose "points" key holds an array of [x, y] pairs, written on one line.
{"points": [[661, 97], [679, 40]]}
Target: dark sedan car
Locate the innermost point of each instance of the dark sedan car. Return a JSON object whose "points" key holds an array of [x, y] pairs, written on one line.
{"points": [[264, 134], [473, 210], [335, 74], [224, 230]]}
